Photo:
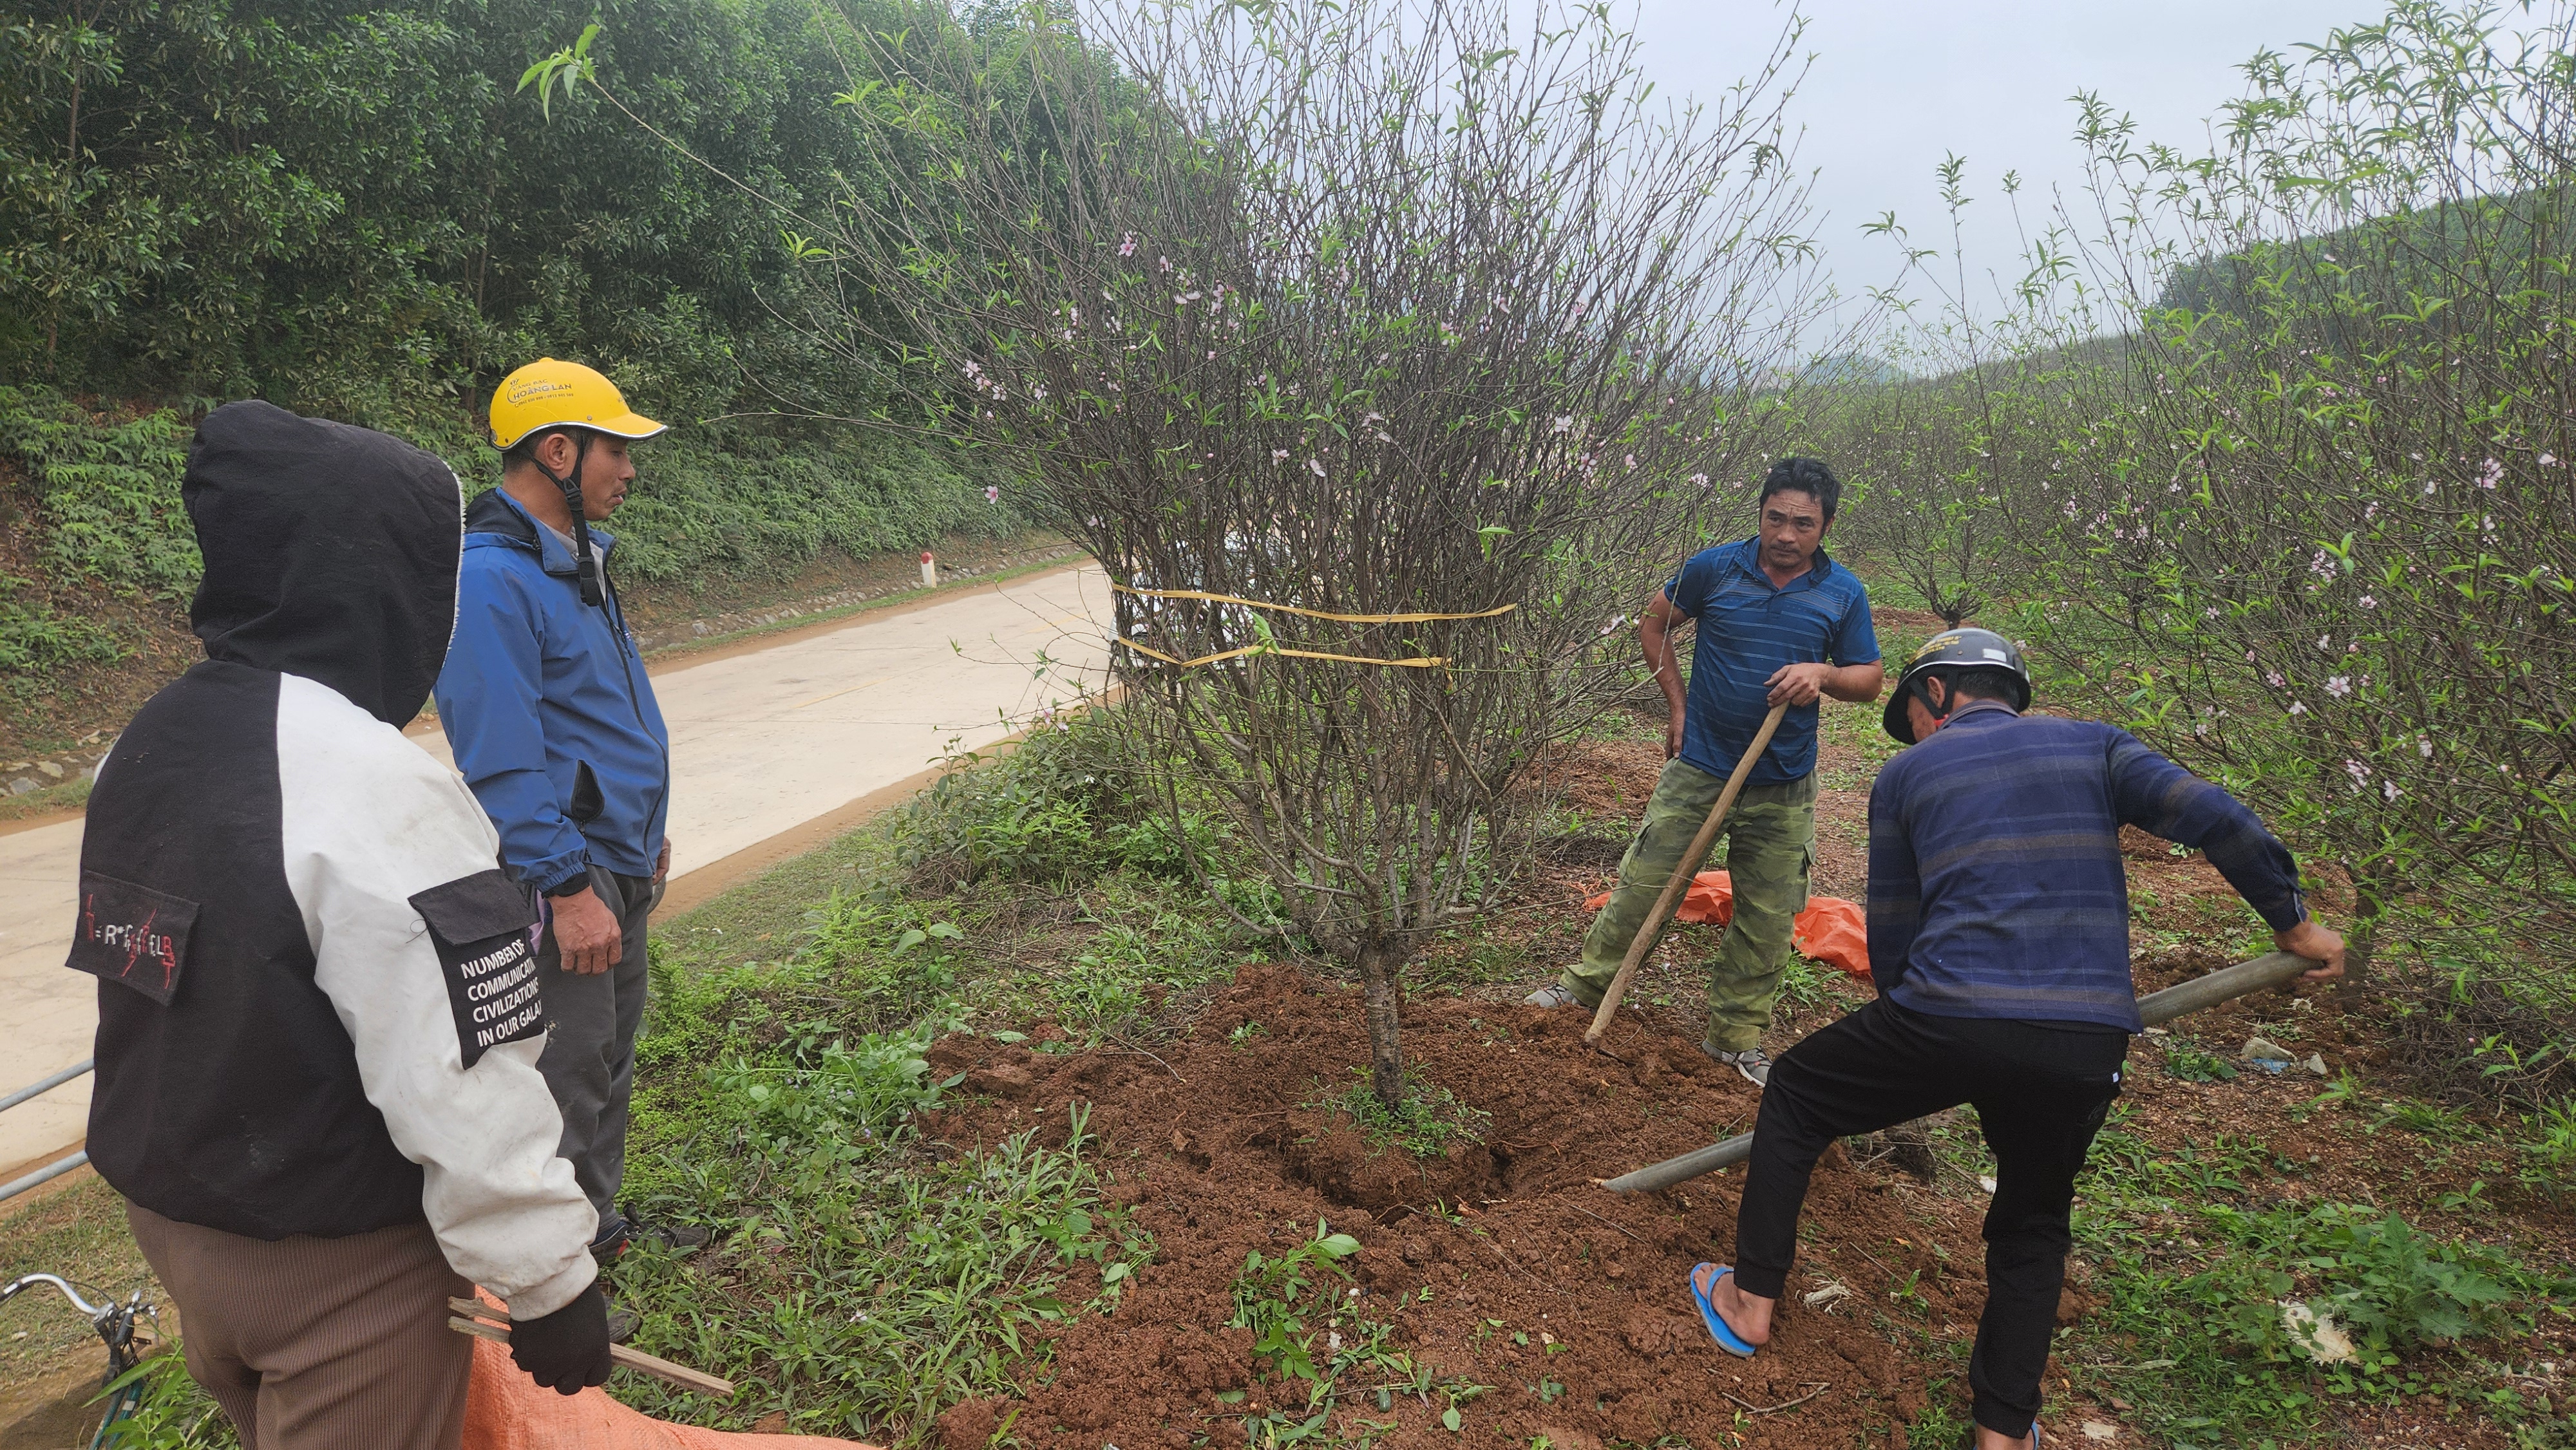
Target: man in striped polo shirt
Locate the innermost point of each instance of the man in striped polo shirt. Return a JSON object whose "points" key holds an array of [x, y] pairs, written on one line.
{"points": [[1778, 623], [1999, 938]]}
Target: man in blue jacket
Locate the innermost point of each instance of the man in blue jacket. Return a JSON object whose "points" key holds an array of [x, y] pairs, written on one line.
{"points": [[1999, 939], [553, 722]]}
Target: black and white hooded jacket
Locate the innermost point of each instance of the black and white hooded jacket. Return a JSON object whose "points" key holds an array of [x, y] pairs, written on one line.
{"points": [[318, 1003]]}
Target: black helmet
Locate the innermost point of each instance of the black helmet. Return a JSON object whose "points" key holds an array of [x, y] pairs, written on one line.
{"points": [[1944, 655]]}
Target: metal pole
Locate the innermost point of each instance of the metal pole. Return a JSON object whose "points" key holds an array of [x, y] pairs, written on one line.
{"points": [[57, 1080], [2272, 969], [46, 1174]]}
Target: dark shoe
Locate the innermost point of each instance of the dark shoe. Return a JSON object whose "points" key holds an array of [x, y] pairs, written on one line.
{"points": [[622, 1321], [675, 1239]]}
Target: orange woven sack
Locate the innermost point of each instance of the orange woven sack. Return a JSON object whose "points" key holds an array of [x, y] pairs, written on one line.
{"points": [[1831, 930], [1835, 932], [506, 1410], [1710, 900]]}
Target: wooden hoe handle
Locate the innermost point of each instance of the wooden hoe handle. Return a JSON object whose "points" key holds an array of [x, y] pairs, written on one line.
{"points": [[469, 1315], [1679, 885]]}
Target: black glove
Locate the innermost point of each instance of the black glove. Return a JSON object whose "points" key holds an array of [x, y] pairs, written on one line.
{"points": [[568, 1349]]}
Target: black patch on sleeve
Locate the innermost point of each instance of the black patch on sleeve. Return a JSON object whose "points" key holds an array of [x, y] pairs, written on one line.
{"points": [[131, 934], [484, 927]]}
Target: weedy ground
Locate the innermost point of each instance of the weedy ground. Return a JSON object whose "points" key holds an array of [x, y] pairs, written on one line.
{"points": [[898, 1241]]}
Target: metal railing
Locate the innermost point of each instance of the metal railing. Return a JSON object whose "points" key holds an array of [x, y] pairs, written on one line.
{"points": [[50, 1171]]}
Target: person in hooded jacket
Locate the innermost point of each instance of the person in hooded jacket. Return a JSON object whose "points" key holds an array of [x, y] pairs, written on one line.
{"points": [[546, 704], [319, 1015]]}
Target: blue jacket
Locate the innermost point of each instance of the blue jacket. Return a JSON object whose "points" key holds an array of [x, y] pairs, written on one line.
{"points": [[546, 705], [1995, 882]]}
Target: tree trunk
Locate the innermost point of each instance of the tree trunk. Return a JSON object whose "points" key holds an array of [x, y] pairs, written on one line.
{"points": [[1378, 963], [2370, 896]]}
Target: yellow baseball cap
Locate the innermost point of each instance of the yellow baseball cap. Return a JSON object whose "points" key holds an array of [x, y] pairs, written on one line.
{"points": [[552, 394]]}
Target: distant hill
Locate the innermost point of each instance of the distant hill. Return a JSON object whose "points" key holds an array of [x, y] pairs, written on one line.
{"points": [[1852, 367]]}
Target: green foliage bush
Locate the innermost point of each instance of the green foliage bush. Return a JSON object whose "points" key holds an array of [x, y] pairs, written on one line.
{"points": [[729, 502], [884, 957], [1267, 1291], [350, 211], [106, 491], [2390, 1287], [37, 639], [1067, 804], [352, 214], [2290, 498]]}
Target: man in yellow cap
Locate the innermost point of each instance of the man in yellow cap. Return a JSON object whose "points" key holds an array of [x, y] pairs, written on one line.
{"points": [[555, 728]]}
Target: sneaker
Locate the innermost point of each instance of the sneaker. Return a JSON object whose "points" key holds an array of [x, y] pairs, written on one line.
{"points": [[1752, 1062], [622, 1321], [1551, 995]]}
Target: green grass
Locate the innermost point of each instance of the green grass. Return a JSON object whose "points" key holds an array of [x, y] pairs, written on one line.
{"points": [[860, 1284], [77, 1231], [71, 795], [2197, 1246], [1430, 1120]]}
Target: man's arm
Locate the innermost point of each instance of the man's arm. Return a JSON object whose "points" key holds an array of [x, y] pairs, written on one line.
{"points": [[2163, 799], [488, 695], [1655, 632], [503, 1205], [1856, 673], [1895, 886]]}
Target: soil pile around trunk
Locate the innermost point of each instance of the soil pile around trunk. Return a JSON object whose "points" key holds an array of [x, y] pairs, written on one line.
{"points": [[1499, 1263]]}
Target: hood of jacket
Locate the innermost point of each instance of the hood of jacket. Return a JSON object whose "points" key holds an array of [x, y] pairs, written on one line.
{"points": [[331, 552]]}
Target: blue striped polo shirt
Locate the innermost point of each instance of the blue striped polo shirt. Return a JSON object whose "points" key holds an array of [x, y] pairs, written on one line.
{"points": [[1750, 627], [1996, 887]]}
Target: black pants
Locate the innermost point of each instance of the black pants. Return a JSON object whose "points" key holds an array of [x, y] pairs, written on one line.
{"points": [[2041, 1092], [589, 1059]]}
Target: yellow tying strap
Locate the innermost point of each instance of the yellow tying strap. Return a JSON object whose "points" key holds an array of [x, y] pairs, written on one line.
{"points": [[1426, 662], [1312, 614]]}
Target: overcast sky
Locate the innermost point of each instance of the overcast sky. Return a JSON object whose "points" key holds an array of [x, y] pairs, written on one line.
{"points": [[1897, 84]]}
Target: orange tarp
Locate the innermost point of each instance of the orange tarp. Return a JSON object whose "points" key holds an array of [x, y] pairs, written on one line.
{"points": [[1831, 930], [506, 1410]]}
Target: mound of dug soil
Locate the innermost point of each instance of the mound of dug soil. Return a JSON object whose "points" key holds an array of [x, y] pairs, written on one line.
{"points": [[1500, 1264]]}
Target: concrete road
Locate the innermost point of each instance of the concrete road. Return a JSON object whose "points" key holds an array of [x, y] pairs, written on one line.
{"points": [[765, 738]]}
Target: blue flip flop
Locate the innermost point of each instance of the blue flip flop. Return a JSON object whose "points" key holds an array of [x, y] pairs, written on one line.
{"points": [[1727, 1339]]}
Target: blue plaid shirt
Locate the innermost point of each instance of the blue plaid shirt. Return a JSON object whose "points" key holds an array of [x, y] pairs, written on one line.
{"points": [[1748, 628], [1995, 883]]}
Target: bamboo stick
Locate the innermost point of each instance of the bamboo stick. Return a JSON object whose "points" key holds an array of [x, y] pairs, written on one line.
{"points": [[469, 1314], [1679, 884], [2272, 969]]}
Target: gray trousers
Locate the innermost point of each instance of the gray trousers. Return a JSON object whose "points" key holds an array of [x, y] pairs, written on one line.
{"points": [[589, 1059]]}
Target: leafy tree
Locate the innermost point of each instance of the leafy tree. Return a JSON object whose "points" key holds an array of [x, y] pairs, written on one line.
{"points": [[347, 209], [1382, 357]]}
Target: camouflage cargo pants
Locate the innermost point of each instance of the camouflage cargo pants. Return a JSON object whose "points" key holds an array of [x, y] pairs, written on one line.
{"points": [[1770, 849]]}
